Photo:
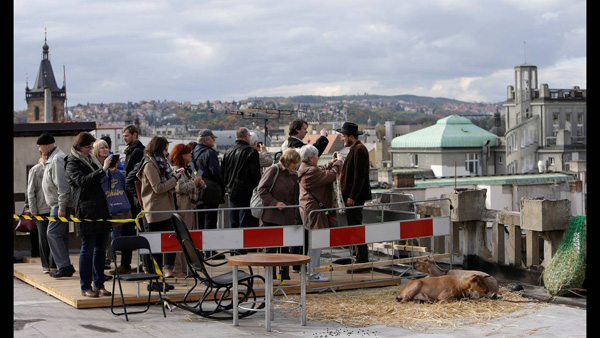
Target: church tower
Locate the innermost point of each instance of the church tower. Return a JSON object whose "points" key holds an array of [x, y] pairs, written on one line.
{"points": [[45, 101]]}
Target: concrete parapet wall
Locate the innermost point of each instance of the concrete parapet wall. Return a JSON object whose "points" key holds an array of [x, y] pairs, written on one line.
{"points": [[468, 205], [545, 215]]}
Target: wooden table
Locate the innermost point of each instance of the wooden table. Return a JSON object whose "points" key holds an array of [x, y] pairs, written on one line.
{"points": [[269, 260]]}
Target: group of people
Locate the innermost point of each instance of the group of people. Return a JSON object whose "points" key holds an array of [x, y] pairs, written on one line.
{"points": [[87, 183], [312, 186]]}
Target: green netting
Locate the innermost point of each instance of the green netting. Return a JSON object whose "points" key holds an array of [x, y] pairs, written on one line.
{"points": [[567, 268]]}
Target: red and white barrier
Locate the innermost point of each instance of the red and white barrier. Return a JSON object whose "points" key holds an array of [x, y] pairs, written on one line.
{"points": [[229, 239], [379, 232]]}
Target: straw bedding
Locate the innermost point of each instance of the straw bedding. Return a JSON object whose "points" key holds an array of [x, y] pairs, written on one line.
{"points": [[377, 306]]}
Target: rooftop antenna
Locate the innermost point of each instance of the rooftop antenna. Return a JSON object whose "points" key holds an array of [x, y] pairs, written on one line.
{"points": [[525, 51], [264, 114]]}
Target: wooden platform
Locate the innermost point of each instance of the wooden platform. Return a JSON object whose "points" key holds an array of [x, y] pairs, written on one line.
{"points": [[68, 289]]}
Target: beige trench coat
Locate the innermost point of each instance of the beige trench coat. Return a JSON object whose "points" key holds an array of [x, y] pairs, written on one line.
{"points": [[156, 194]]}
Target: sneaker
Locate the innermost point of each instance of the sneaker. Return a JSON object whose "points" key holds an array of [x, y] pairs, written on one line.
{"points": [[319, 277], [46, 270]]}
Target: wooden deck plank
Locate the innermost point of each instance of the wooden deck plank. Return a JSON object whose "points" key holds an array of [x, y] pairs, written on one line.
{"points": [[68, 290]]}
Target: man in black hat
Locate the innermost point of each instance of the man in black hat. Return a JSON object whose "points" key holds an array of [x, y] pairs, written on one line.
{"points": [[354, 181], [57, 193], [206, 162]]}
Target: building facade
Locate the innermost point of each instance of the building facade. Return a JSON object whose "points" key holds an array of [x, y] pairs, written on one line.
{"points": [[454, 146], [545, 128]]}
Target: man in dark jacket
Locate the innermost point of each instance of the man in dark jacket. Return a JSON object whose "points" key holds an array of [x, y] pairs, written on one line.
{"points": [[206, 162], [297, 130], [354, 181], [240, 171], [133, 155]]}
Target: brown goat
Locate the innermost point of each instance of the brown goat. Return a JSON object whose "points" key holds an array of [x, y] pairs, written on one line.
{"points": [[429, 266], [443, 288]]}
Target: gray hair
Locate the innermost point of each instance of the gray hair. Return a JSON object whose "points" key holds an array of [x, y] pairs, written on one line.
{"points": [[202, 139], [308, 151], [253, 138]]}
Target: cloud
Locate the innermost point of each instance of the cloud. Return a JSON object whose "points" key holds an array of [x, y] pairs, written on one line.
{"points": [[186, 50]]}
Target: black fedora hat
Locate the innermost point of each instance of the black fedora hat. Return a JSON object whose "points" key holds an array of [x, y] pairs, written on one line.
{"points": [[349, 128]]}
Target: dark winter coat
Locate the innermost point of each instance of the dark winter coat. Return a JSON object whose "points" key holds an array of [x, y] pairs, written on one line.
{"points": [[240, 171], [206, 161], [88, 196], [133, 156], [354, 181]]}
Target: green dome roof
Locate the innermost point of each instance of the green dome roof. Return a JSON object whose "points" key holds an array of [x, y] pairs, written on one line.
{"points": [[450, 132]]}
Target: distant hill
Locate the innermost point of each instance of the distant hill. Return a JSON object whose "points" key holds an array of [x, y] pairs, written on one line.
{"points": [[317, 99], [360, 108]]}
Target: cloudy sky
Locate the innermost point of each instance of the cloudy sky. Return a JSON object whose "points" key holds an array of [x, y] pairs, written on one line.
{"points": [[193, 50]]}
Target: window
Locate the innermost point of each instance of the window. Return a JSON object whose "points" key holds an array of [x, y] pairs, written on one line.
{"points": [[472, 163], [555, 121], [415, 160]]}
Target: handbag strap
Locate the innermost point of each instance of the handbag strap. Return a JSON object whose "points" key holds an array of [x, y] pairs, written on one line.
{"points": [[275, 179], [314, 197]]}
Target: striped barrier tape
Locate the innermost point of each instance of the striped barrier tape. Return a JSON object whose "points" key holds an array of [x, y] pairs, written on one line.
{"points": [[159, 272], [73, 219]]}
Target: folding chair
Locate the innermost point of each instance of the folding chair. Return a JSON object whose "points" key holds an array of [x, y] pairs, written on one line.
{"points": [[130, 243], [218, 286]]}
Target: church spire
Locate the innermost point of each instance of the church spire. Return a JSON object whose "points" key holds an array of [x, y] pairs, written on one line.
{"points": [[45, 48], [45, 100]]}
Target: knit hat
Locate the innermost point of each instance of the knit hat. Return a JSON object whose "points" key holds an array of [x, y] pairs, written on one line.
{"points": [[45, 139]]}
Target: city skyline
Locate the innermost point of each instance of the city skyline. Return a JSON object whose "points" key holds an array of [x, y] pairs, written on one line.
{"points": [[119, 51]]}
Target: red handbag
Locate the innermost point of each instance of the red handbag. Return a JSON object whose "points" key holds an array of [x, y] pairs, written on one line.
{"points": [[26, 225]]}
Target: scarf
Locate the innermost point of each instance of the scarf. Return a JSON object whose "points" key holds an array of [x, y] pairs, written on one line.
{"points": [[166, 171], [88, 160]]}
